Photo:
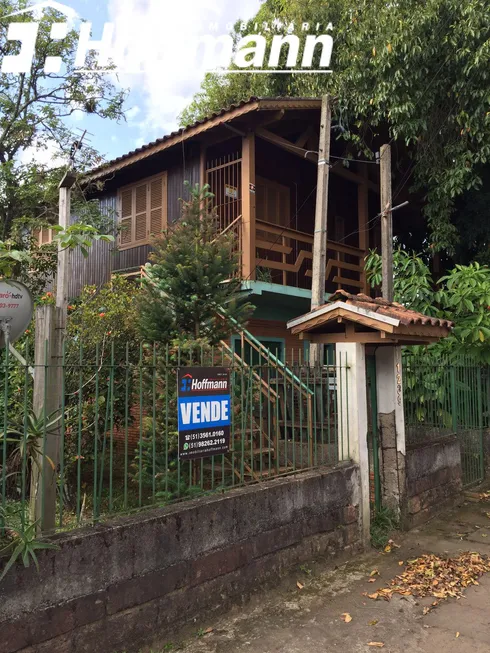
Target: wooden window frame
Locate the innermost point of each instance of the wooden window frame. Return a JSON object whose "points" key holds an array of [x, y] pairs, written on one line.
{"points": [[38, 233], [132, 187]]}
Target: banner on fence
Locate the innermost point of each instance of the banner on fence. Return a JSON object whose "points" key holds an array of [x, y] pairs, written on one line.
{"points": [[204, 407]]}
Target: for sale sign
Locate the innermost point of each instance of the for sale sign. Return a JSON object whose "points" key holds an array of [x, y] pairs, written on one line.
{"points": [[204, 407]]}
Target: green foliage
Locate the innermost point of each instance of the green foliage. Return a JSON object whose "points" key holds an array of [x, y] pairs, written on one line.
{"points": [[192, 279], [35, 111], [23, 546], [191, 289], [462, 296], [413, 284], [101, 327], [384, 522], [419, 68]]}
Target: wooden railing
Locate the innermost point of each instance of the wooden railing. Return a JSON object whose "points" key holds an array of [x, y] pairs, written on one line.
{"points": [[285, 256]]}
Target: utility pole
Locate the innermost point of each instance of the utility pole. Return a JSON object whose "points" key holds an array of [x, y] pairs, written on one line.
{"points": [[386, 223], [321, 215]]}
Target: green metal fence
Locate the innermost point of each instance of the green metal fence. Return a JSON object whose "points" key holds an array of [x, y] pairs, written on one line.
{"points": [[116, 437], [444, 397]]}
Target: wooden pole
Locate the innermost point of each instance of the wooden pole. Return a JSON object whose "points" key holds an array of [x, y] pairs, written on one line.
{"points": [[248, 206], [386, 223], [48, 378], [362, 211], [43, 491], [321, 216]]}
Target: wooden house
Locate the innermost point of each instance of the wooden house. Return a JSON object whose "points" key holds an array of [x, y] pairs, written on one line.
{"points": [[260, 159]]}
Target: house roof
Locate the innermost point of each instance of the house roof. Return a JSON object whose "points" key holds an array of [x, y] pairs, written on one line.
{"points": [[394, 310], [218, 118], [348, 317]]}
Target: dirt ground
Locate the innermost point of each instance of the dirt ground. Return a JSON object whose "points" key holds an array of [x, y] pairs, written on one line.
{"points": [[291, 619]]}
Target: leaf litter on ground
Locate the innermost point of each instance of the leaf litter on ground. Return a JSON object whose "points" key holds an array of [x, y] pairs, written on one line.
{"points": [[431, 575]]}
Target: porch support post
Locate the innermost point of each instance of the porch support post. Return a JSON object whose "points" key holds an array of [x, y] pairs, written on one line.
{"points": [[391, 427], [353, 421], [362, 216], [248, 206]]}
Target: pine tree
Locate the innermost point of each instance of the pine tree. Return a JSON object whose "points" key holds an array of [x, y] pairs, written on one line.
{"points": [[191, 291], [192, 279]]}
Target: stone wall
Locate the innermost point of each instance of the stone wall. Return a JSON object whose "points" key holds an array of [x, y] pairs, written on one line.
{"points": [[120, 586], [434, 479]]}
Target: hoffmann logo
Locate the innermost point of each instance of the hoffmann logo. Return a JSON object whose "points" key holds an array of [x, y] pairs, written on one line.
{"points": [[210, 52]]}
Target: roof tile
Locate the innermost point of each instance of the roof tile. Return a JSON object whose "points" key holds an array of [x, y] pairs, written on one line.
{"points": [[389, 309]]}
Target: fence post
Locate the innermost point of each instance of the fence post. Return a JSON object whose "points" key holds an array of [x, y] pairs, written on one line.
{"points": [[43, 492], [391, 423], [454, 407], [480, 424], [353, 420]]}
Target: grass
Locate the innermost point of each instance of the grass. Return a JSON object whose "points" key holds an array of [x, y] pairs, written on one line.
{"points": [[384, 522]]}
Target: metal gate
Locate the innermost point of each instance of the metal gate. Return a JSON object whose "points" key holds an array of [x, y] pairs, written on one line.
{"points": [[445, 397], [373, 441]]}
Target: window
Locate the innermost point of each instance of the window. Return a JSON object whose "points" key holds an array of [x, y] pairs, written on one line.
{"points": [[44, 236], [142, 211]]}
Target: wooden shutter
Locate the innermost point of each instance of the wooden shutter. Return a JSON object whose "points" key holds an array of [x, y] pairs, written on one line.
{"points": [[126, 217], [140, 213], [158, 205], [143, 209]]}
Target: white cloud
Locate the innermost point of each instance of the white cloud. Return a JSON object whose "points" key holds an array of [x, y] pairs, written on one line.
{"points": [[132, 113], [163, 35], [49, 155]]}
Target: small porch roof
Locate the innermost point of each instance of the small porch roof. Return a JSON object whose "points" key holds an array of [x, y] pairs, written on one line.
{"points": [[359, 318]]}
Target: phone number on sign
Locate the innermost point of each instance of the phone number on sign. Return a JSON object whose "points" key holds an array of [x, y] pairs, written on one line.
{"points": [[4, 305], [204, 436], [207, 443]]}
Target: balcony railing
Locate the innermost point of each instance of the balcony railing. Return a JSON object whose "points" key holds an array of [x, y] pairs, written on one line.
{"points": [[285, 256]]}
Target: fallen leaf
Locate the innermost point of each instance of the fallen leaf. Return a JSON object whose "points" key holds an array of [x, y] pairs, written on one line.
{"points": [[208, 630], [372, 580], [346, 617], [457, 634], [299, 585], [484, 535], [426, 610], [373, 596], [373, 622], [374, 572], [387, 548], [376, 644], [401, 563]]}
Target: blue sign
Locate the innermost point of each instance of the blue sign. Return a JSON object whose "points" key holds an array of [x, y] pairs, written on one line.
{"points": [[204, 412]]}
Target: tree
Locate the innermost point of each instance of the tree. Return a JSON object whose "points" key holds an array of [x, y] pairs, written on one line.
{"points": [[34, 107], [192, 282], [416, 71], [462, 296], [191, 291]]}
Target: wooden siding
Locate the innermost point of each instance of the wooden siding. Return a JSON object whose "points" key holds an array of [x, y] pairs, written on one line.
{"points": [[95, 270], [177, 175]]}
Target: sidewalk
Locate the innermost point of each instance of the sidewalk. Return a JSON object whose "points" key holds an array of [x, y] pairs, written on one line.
{"points": [[293, 620]]}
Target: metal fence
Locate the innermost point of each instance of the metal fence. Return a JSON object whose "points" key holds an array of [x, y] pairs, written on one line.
{"points": [[445, 397], [116, 435]]}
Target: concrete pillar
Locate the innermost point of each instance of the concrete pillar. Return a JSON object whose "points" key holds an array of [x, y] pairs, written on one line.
{"points": [[353, 420], [391, 427]]}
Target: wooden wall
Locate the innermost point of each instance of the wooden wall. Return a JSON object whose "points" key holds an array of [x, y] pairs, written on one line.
{"points": [[277, 330], [105, 258]]}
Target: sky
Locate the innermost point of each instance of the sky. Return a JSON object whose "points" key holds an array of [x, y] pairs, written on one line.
{"points": [[153, 30]]}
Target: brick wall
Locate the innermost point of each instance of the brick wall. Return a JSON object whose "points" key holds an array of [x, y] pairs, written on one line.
{"points": [[434, 479]]}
